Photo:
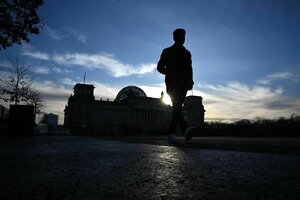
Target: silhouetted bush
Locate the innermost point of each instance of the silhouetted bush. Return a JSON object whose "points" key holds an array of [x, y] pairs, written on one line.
{"points": [[258, 127]]}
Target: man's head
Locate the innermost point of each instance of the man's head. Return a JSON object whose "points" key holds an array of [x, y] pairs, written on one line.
{"points": [[179, 36]]}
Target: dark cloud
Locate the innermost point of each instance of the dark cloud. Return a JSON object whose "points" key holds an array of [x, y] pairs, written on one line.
{"points": [[55, 97], [220, 119], [284, 104]]}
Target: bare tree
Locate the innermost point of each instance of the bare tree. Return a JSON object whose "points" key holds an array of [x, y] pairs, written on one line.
{"points": [[17, 86], [36, 100]]}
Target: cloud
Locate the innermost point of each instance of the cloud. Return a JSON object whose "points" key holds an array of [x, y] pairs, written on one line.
{"points": [[77, 35], [52, 91], [37, 55], [285, 103], [68, 82], [57, 70], [61, 71], [67, 33], [146, 68], [105, 91], [54, 34], [3, 76], [236, 100], [153, 90], [5, 64], [55, 97], [104, 61], [40, 70], [81, 38], [115, 67], [236, 91], [278, 76]]}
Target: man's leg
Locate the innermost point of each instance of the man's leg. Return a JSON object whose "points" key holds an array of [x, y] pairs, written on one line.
{"points": [[182, 122], [177, 116]]}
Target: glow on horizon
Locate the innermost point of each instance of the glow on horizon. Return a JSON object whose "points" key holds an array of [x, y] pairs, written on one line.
{"points": [[167, 100]]}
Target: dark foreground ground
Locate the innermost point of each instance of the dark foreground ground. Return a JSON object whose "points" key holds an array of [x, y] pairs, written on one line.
{"points": [[73, 167]]}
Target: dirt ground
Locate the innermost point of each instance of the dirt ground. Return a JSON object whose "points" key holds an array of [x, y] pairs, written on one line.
{"points": [[274, 145], [73, 167]]}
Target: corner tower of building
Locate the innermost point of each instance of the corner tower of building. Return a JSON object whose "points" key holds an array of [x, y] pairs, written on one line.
{"points": [[84, 92]]}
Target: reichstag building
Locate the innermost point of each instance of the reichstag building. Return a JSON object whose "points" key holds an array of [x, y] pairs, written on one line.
{"points": [[132, 112]]}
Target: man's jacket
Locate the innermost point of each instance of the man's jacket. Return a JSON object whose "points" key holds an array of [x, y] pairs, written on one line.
{"points": [[176, 64]]}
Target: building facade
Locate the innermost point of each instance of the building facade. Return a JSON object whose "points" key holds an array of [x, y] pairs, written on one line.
{"points": [[51, 120], [132, 112]]}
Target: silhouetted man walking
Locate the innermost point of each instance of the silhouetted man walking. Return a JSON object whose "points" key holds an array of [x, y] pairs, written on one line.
{"points": [[176, 64]]}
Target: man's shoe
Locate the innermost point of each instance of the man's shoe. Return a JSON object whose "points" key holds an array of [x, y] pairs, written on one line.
{"points": [[171, 137], [188, 133]]}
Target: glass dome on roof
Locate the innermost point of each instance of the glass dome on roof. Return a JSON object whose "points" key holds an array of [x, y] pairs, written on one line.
{"points": [[130, 91]]}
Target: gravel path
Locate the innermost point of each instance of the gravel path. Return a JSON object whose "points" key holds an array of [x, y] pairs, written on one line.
{"points": [[72, 167]]}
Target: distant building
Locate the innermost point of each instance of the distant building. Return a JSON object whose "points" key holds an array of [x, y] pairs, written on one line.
{"points": [[132, 112], [51, 120], [4, 113]]}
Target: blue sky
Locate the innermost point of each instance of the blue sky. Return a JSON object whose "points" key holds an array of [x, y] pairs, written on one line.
{"points": [[245, 53]]}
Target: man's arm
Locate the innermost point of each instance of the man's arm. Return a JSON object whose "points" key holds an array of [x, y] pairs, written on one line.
{"points": [[161, 65], [190, 73]]}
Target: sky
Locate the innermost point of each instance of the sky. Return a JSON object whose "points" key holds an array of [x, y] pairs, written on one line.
{"points": [[245, 53]]}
